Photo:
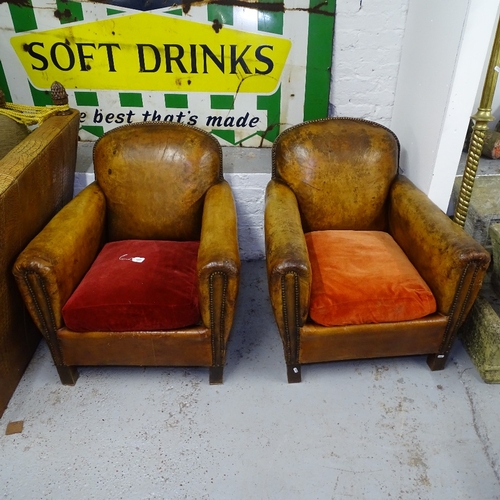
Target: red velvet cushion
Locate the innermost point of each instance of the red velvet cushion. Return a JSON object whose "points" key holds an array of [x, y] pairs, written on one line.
{"points": [[118, 294], [361, 277]]}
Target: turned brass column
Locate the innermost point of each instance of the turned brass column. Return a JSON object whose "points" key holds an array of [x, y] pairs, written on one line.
{"points": [[481, 119]]}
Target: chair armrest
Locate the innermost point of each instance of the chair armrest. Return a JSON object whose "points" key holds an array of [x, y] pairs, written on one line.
{"points": [[53, 264], [286, 253], [218, 259], [450, 261]]}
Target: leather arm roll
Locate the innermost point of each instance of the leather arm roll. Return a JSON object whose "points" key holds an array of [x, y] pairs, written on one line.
{"points": [[288, 266], [218, 259], [451, 262], [53, 264]]}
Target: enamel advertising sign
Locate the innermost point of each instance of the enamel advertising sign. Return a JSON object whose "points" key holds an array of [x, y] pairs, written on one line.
{"points": [[242, 70]]}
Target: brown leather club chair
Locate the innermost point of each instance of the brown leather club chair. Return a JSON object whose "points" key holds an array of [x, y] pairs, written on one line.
{"points": [[361, 264], [142, 267]]}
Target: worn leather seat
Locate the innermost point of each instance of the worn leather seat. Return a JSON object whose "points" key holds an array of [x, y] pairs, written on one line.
{"points": [[335, 207], [142, 267]]}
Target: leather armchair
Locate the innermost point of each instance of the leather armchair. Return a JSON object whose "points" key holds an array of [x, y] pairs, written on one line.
{"points": [[340, 177], [36, 181], [155, 183]]}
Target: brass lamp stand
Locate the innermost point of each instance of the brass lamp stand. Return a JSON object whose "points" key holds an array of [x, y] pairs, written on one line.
{"points": [[481, 119]]}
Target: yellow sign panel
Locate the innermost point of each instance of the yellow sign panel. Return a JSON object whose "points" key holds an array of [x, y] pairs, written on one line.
{"points": [[153, 52]]}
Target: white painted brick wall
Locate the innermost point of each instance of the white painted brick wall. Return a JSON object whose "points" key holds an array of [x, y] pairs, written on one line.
{"points": [[366, 54], [367, 48], [249, 193]]}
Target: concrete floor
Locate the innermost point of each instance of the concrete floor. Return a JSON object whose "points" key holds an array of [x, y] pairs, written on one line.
{"points": [[371, 429]]}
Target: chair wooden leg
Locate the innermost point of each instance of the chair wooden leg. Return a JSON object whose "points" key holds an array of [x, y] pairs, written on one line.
{"points": [[437, 361], [294, 374], [216, 374], [67, 374]]}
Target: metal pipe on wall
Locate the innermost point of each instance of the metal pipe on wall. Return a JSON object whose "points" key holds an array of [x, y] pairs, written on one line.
{"points": [[481, 119]]}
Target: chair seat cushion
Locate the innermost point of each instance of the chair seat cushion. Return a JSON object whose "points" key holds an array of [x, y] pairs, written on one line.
{"points": [[137, 285], [361, 277]]}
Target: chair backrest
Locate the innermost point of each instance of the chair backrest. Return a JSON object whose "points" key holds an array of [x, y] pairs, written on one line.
{"points": [[340, 170], [154, 177]]}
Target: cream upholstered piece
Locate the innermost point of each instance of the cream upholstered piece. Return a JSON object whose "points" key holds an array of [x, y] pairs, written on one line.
{"points": [[36, 181], [11, 134]]}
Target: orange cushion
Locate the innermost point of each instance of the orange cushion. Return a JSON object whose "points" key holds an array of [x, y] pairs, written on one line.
{"points": [[157, 290], [361, 277]]}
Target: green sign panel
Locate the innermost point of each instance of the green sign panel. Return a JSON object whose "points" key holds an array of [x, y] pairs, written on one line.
{"points": [[243, 71]]}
